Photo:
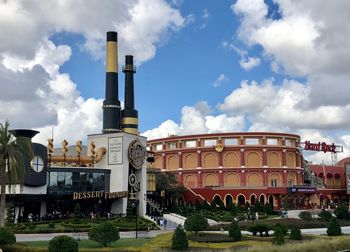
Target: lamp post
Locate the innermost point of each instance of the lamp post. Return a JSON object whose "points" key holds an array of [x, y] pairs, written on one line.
{"points": [[134, 205]]}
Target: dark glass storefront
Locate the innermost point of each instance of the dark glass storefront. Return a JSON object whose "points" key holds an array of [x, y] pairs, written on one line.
{"points": [[65, 181]]}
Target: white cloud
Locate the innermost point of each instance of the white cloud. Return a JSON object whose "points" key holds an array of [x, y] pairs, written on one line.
{"points": [[141, 24], [249, 63], [308, 39], [34, 93], [195, 120], [220, 80]]}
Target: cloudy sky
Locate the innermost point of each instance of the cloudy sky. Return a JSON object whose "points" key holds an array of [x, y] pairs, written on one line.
{"points": [[202, 66]]}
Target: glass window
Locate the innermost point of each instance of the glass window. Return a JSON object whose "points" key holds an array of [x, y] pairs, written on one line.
{"points": [[172, 146], [190, 144], [209, 142], [252, 141], [290, 182], [230, 141], [61, 180], [159, 147], [148, 148], [272, 141], [53, 178], [274, 182], [289, 142], [69, 178]]}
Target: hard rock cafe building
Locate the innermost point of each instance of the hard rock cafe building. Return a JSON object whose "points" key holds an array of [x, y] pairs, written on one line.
{"points": [[248, 167]]}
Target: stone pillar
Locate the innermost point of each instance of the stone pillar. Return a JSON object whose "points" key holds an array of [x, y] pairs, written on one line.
{"points": [[243, 183], [284, 178], [265, 158], [242, 158], [199, 158], [180, 159], [164, 161], [200, 179], [221, 163], [284, 158], [221, 179], [265, 179]]}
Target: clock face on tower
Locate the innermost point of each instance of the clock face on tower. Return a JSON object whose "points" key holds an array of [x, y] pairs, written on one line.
{"points": [[37, 164]]}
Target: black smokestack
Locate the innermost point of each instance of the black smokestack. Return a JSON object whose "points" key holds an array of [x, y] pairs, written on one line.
{"points": [[111, 104], [129, 114]]}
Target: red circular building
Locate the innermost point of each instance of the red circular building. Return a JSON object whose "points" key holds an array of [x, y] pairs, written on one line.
{"points": [[246, 167]]}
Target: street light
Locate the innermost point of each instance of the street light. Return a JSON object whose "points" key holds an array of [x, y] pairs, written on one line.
{"points": [[134, 205]]}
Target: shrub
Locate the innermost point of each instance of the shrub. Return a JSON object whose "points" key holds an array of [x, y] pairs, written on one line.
{"points": [[258, 207], [295, 233], [253, 229], [104, 233], [198, 205], [278, 237], [305, 215], [234, 231], [179, 240], [213, 205], [222, 205], [51, 225], [63, 243], [205, 205], [7, 237], [342, 212], [195, 223], [268, 209], [283, 227], [10, 216], [77, 213], [325, 215], [261, 228], [333, 228]]}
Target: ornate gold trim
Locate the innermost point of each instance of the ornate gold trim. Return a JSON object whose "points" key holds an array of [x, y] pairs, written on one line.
{"points": [[130, 120], [131, 131]]}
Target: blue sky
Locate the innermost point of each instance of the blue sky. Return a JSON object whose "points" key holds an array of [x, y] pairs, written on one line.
{"points": [[202, 66]]}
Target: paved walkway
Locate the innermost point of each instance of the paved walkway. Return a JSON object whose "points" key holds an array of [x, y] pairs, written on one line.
{"points": [[152, 233]]}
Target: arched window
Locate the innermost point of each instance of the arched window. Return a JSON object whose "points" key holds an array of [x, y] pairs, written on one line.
{"points": [[190, 161], [231, 160], [211, 180], [190, 181], [254, 180], [231, 180], [253, 160], [210, 161], [273, 160], [173, 163]]}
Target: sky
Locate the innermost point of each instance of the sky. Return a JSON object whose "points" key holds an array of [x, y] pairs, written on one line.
{"points": [[202, 66]]}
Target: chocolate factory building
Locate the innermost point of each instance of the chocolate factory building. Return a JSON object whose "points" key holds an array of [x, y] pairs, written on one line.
{"points": [[106, 177]]}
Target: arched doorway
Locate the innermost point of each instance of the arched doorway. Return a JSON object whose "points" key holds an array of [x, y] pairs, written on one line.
{"points": [[262, 199], [241, 200], [252, 200], [271, 201], [229, 200], [217, 200]]}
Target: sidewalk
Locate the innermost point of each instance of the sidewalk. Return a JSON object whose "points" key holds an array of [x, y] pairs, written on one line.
{"points": [[152, 233]]}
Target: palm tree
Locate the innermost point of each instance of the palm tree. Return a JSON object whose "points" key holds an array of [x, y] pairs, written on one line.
{"points": [[13, 155]]}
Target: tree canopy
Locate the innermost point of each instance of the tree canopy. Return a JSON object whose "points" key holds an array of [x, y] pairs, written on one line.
{"points": [[14, 153]]}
